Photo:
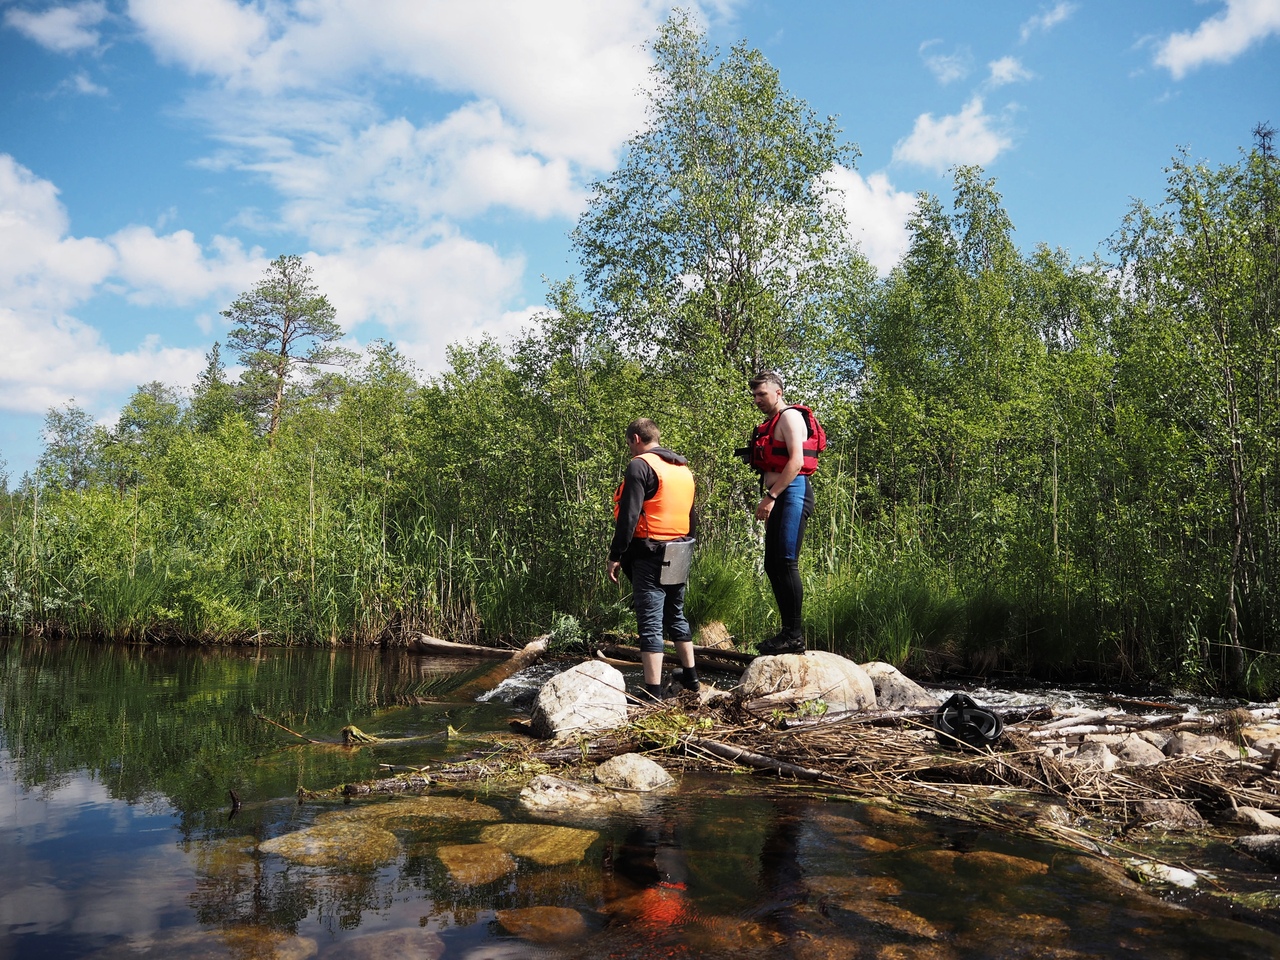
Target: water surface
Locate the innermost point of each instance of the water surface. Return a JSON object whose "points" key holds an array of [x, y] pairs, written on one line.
{"points": [[117, 763]]}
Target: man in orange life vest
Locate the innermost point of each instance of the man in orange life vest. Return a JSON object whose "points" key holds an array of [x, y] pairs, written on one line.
{"points": [[653, 506], [784, 451]]}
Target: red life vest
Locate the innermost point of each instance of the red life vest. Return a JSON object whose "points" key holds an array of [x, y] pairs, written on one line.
{"points": [[770, 456], [665, 515]]}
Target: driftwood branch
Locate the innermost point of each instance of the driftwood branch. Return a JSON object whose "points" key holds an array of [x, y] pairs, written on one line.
{"points": [[294, 733], [749, 758]]}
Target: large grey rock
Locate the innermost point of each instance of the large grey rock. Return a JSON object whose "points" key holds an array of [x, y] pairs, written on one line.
{"points": [[1094, 755], [817, 675], [896, 691], [1185, 743], [631, 771], [1137, 752], [547, 793], [1169, 815], [584, 699], [1260, 821], [1265, 848]]}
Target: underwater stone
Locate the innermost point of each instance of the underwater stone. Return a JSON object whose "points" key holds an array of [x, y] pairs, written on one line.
{"points": [[411, 810], [417, 943], [475, 863], [542, 924], [337, 843], [541, 843]]}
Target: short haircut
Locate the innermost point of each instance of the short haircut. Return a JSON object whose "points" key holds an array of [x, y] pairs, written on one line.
{"points": [[766, 376], [644, 428]]}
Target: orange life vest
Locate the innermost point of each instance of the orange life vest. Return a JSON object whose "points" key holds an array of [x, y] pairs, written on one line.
{"points": [[770, 456], [665, 515]]}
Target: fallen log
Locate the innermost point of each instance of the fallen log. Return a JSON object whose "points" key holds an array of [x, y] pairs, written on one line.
{"points": [[422, 643], [710, 658], [513, 665]]}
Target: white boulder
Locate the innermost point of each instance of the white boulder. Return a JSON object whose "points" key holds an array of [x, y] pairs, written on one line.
{"points": [[814, 676], [588, 698]]}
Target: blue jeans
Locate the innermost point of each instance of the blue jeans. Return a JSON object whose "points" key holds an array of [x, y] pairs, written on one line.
{"points": [[659, 608], [783, 537]]}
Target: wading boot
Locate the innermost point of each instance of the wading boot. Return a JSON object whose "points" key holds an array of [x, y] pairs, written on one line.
{"points": [[785, 641]]}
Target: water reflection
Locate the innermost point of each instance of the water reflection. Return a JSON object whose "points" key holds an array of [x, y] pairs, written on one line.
{"points": [[115, 766]]}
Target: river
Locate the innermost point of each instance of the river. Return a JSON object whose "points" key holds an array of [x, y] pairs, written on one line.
{"points": [[120, 838]]}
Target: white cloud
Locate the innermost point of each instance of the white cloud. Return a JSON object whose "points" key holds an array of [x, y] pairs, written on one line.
{"points": [[220, 37], [426, 297], [40, 267], [1222, 37], [49, 359], [45, 275], [946, 67], [174, 269], [81, 83], [548, 93], [971, 136], [565, 71], [377, 180], [877, 215], [61, 29], [1007, 70], [1046, 21]]}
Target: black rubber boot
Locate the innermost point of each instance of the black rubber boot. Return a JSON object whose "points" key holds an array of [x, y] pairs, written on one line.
{"points": [[786, 641]]}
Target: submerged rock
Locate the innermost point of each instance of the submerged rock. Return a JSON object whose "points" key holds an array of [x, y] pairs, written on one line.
{"points": [[413, 811], [542, 843], [415, 942], [338, 843], [631, 771], [891, 915], [237, 940], [542, 924], [584, 699], [470, 864], [842, 888], [817, 675]]}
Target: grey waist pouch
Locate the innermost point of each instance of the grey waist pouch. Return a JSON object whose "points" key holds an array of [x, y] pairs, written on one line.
{"points": [[676, 556]]}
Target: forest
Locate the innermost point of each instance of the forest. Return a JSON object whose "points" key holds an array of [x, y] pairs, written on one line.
{"points": [[1038, 466]]}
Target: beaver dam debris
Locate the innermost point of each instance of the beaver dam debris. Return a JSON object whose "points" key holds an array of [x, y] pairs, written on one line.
{"points": [[1084, 779]]}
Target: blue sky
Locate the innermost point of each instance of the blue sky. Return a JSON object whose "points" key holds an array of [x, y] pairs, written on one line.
{"points": [[428, 157]]}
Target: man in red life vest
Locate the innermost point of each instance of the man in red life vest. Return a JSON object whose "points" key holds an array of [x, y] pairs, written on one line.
{"points": [[784, 450], [653, 507]]}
